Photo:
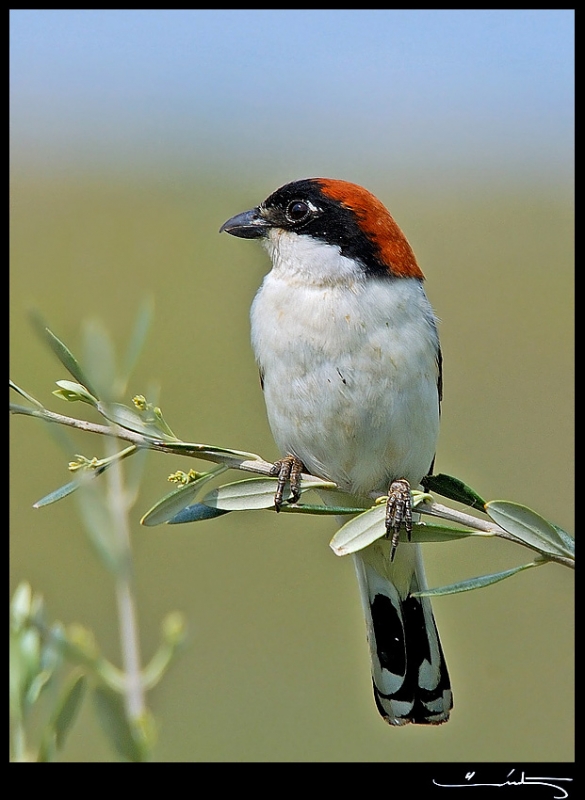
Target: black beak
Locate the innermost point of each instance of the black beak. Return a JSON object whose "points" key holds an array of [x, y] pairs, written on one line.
{"points": [[247, 225]]}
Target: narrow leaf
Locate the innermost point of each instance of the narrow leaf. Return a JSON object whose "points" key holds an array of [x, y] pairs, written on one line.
{"points": [[85, 476], [68, 708], [37, 684], [174, 629], [454, 489], [75, 391], [565, 537], [360, 531], [227, 456], [308, 508], [369, 526], [429, 532], [243, 495], [132, 420], [58, 494], [176, 501], [170, 505], [198, 512], [24, 394], [477, 583], [529, 527], [254, 493], [63, 353]]}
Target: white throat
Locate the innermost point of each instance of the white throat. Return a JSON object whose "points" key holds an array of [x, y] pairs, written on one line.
{"points": [[302, 259]]}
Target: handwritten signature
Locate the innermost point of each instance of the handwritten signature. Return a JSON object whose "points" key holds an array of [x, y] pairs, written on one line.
{"points": [[522, 780]]}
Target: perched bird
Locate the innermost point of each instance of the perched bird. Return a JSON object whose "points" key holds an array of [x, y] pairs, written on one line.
{"points": [[349, 357]]}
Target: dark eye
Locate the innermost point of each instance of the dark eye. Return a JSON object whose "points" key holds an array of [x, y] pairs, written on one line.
{"points": [[297, 211]]}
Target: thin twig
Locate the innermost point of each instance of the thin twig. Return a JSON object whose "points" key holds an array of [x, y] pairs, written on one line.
{"points": [[261, 467]]}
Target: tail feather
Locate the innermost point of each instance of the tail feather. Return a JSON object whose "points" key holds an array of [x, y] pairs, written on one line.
{"points": [[409, 673]]}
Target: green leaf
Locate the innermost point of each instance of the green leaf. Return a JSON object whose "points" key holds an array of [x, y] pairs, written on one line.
{"points": [[68, 707], [173, 637], [176, 501], [110, 712], [85, 476], [360, 531], [133, 420], [63, 491], [253, 493], [477, 583], [38, 683], [27, 396], [430, 532], [73, 392], [62, 352], [222, 454], [321, 510], [530, 528], [454, 489], [371, 525], [159, 420], [565, 537], [198, 512], [248, 494], [170, 505]]}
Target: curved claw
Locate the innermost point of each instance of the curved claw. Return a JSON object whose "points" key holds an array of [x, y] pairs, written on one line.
{"points": [[288, 469], [398, 512]]}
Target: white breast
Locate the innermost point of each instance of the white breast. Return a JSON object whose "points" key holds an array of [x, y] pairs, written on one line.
{"points": [[349, 366]]}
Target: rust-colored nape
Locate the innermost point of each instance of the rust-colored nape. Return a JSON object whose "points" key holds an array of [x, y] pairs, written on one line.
{"points": [[377, 223]]}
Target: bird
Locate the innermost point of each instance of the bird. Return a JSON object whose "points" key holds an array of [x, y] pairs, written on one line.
{"points": [[350, 365]]}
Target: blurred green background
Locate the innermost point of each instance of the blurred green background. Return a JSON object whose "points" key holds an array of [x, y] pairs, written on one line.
{"points": [[276, 667]]}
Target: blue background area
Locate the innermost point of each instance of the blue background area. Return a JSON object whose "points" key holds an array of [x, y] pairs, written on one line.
{"points": [[410, 89]]}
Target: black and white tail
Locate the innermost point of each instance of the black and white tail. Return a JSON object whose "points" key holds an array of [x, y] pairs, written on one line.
{"points": [[411, 682]]}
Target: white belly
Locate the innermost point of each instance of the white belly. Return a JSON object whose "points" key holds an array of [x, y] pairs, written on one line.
{"points": [[350, 377]]}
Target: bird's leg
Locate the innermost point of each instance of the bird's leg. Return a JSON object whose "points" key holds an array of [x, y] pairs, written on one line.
{"points": [[288, 469], [398, 512]]}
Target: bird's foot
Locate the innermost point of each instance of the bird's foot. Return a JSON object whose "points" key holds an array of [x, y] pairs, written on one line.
{"points": [[288, 469], [398, 512]]}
